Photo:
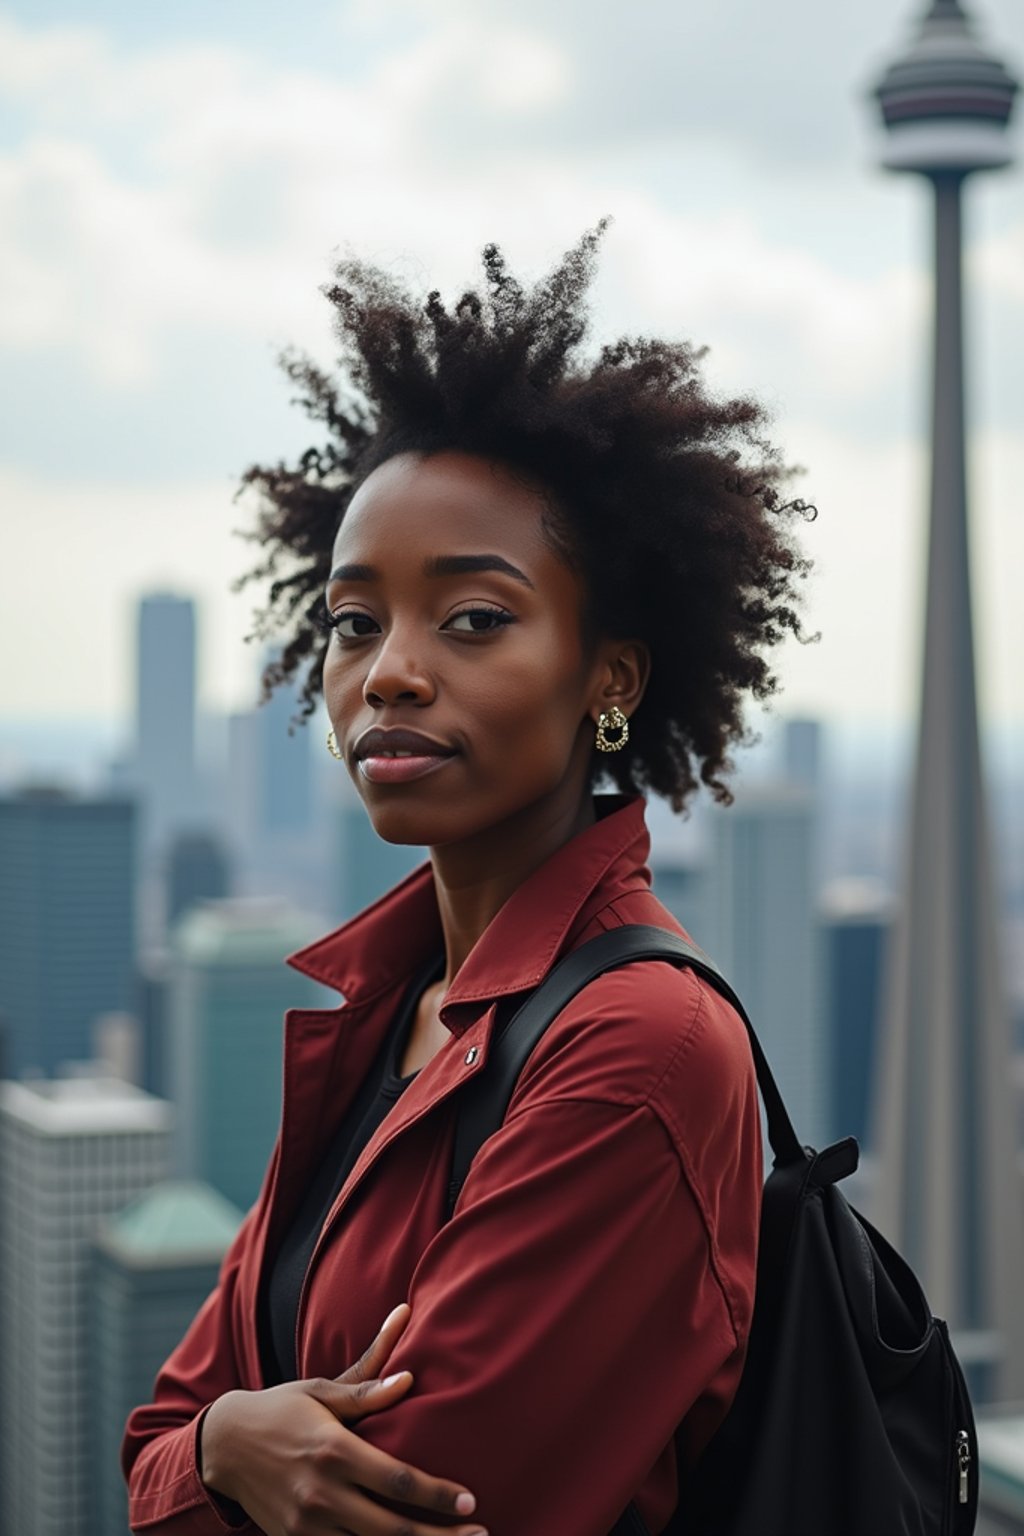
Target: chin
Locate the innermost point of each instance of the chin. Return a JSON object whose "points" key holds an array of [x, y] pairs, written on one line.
{"points": [[418, 826], [392, 830], [453, 819]]}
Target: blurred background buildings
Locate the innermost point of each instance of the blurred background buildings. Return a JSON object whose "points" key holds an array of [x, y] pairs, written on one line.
{"points": [[158, 860], [163, 766], [154, 1262], [223, 1048], [72, 1151], [67, 922]]}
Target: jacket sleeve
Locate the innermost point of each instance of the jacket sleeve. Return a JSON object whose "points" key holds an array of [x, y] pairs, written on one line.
{"points": [[159, 1452], [576, 1307]]}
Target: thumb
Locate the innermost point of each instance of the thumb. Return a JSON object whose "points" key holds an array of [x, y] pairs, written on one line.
{"points": [[350, 1401], [371, 1362]]}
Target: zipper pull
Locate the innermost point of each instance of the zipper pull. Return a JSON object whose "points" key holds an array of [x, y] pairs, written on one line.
{"points": [[963, 1461]]}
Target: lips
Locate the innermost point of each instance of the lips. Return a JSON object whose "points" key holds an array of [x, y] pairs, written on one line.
{"points": [[398, 756], [381, 743]]}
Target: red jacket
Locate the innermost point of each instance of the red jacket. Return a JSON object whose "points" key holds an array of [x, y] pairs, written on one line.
{"points": [[595, 1285]]}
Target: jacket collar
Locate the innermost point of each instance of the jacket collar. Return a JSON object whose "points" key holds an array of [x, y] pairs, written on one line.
{"points": [[385, 944]]}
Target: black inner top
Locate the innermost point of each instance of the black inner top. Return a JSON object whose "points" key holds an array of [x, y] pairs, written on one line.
{"points": [[378, 1093]]}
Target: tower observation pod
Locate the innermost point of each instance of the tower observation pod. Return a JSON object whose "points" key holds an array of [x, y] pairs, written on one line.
{"points": [[946, 102]]}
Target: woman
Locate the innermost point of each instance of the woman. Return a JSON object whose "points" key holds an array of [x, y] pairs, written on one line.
{"points": [[535, 573]]}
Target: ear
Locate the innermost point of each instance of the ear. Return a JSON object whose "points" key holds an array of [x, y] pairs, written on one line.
{"points": [[624, 667]]}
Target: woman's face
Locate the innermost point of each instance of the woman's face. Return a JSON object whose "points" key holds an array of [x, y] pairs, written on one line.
{"points": [[454, 619]]}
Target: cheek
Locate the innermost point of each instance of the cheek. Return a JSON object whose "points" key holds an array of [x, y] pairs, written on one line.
{"points": [[327, 670], [532, 701], [341, 680]]}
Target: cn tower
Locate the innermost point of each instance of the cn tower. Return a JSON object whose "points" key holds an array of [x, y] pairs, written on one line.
{"points": [[948, 1187]]}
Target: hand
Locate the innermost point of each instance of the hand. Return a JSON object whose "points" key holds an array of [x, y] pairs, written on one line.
{"points": [[285, 1456]]}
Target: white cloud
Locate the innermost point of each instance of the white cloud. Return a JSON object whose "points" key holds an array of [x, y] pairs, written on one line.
{"points": [[810, 326], [255, 175], [42, 65], [248, 178], [93, 548], [81, 256], [83, 555], [522, 71], [997, 554], [998, 262], [863, 593], [182, 191], [866, 594]]}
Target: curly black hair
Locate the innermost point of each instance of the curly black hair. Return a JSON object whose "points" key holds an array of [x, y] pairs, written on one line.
{"points": [[666, 499]]}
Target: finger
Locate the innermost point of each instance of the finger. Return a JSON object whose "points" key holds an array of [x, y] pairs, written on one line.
{"points": [[356, 1461], [370, 1362], [350, 1401], [366, 1397], [364, 1517]]}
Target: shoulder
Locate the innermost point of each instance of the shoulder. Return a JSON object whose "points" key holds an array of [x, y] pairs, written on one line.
{"points": [[646, 1033], [657, 1038]]}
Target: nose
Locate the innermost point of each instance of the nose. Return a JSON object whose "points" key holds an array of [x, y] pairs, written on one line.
{"points": [[397, 675]]}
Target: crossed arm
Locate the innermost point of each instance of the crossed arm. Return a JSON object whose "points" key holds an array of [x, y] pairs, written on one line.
{"points": [[561, 1325]]}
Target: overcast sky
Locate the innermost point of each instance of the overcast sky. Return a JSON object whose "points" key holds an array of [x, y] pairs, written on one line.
{"points": [[175, 179]]}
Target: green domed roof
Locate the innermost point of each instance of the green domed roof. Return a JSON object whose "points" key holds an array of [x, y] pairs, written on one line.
{"points": [[180, 1220], [243, 931]]}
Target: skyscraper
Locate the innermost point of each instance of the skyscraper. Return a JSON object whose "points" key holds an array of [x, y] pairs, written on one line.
{"points": [[153, 1265], [366, 866], [683, 887], [71, 1152], [165, 715], [271, 805], [801, 751], [854, 924], [229, 992], [760, 927], [284, 766], [197, 870], [67, 927], [948, 1191], [240, 804]]}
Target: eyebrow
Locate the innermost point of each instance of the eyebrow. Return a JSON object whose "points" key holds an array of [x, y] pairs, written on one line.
{"points": [[441, 565]]}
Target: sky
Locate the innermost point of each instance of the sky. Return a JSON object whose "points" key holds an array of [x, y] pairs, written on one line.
{"points": [[175, 182]]}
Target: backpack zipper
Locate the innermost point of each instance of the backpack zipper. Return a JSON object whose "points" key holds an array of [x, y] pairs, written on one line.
{"points": [[963, 1462]]}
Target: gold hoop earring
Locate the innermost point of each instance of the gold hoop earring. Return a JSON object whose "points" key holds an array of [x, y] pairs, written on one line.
{"points": [[332, 745], [612, 719]]}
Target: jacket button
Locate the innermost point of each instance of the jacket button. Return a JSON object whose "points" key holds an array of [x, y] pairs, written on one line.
{"points": [[471, 1055]]}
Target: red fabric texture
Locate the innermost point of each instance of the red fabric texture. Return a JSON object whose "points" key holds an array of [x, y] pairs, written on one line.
{"points": [[596, 1283]]}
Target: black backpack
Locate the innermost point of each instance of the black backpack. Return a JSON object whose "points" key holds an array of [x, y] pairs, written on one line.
{"points": [[852, 1416]]}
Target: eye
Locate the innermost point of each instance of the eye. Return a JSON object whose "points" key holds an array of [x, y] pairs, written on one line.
{"points": [[350, 625], [479, 621]]}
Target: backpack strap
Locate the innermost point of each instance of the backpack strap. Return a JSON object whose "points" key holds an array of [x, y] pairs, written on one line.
{"points": [[483, 1102]]}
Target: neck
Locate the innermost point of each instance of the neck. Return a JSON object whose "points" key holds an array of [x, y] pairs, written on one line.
{"points": [[474, 879]]}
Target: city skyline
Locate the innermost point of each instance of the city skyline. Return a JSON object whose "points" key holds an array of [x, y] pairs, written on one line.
{"points": [[142, 141], [83, 750]]}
